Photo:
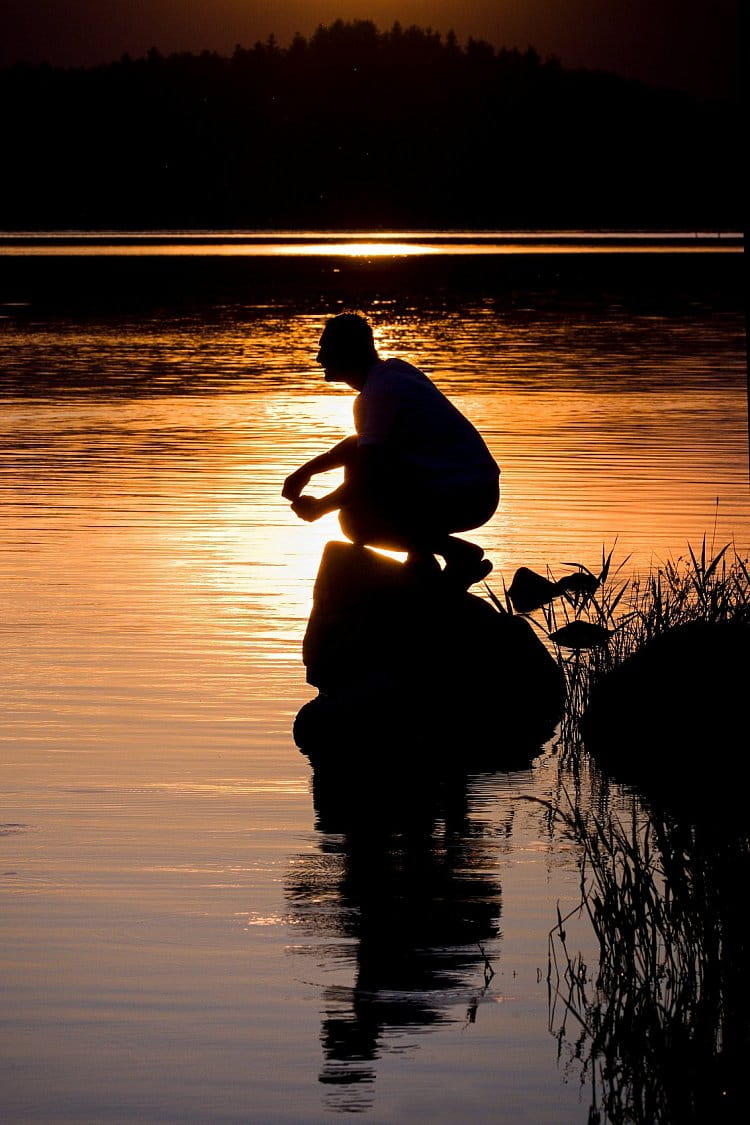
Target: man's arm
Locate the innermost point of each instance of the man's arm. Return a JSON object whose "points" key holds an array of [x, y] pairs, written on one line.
{"points": [[336, 458], [363, 462]]}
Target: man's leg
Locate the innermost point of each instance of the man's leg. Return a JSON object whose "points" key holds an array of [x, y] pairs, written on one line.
{"points": [[397, 516], [462, 509], [382, 511], [464, 561]]}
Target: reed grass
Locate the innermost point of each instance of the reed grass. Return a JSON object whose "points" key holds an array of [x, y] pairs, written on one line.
{"points": [[660, 1029], [610, 617]]}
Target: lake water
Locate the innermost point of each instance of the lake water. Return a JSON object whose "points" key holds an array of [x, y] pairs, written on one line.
{"points": [[190, 932]]}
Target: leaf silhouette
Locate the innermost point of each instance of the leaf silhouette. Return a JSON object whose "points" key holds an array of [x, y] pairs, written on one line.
{"points": [[529, 590], [582, 582], [581, 634]]}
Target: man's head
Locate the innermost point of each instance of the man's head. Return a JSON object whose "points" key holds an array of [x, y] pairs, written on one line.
{"points": [[347, 349]]}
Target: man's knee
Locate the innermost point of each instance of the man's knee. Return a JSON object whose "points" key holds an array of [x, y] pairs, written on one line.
{"points": [[352, 525], [473, 509], [361, 524]]}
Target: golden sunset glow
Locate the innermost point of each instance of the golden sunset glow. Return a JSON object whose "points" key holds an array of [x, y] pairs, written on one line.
{"points": [[369, 247], [357, 249]]}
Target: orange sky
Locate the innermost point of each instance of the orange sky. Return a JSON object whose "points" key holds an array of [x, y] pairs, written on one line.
{"points": [[687, 44]]}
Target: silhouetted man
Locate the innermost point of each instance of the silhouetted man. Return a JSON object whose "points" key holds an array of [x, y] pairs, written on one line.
{"points": [[416, 471]]}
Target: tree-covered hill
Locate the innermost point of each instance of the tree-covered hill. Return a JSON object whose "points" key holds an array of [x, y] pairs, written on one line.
{"points": [[361, 128]]}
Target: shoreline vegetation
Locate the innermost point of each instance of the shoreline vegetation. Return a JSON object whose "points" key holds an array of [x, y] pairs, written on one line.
{"points": [[358, 128], [658, 1030], [604, 618]]}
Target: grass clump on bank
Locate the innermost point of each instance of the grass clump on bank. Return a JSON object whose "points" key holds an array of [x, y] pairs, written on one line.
{"points": [[595, 621]]}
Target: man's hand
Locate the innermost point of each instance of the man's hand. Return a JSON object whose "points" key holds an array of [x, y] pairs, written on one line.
{"points": [[295, 483], [309, 509]]}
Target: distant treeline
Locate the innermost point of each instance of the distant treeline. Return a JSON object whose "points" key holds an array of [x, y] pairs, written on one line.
{"points": [[357, 127]]}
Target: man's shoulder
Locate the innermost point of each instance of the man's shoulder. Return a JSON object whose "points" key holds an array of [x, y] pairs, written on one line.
{"points": [[388, 373], [400, 367]]}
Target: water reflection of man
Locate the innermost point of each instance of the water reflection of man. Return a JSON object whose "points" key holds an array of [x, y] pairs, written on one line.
{"points": [[416, 470], [405, 889]]}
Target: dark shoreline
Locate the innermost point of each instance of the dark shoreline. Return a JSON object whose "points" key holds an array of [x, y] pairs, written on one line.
{"points": [[87, 284], [636, 239]]}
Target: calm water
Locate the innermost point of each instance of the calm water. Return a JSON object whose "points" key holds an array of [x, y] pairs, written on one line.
{"points": [[190, 932]]}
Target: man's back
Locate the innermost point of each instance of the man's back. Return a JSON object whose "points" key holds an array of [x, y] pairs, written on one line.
{"points": [[402, 411]]}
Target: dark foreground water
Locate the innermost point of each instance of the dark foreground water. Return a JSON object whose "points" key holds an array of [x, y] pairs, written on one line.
{"points": [[191, 931]]}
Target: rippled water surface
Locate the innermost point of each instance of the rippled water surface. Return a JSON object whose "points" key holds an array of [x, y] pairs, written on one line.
{"points": [[189, 932]]}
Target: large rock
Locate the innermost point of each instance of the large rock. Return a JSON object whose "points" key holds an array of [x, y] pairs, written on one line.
{"points": [[673, 718], [404, 663]]}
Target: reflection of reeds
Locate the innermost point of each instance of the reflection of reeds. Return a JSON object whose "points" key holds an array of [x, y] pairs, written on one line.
{"points": [[661, 1029]]}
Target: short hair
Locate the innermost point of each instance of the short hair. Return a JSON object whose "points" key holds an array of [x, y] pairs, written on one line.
{"points": [[347, 341]]}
